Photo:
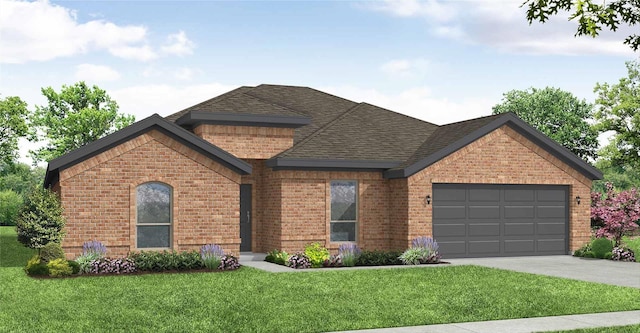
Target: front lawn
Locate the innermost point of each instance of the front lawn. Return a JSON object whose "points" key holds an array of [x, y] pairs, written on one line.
{"points": [[613, 329], [249, 300]]}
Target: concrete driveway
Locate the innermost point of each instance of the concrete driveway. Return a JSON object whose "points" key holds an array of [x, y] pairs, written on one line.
{"points": [[594, 270]]}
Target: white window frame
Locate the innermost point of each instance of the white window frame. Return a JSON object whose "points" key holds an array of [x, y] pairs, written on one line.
{"points": [[170, 224], [357, 203]]}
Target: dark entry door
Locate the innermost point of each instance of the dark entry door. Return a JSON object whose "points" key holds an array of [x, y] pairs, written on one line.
{"points": [[474, 220], [245, 217]]}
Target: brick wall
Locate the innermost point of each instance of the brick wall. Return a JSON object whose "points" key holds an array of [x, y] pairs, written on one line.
{"points": [[501, 157], [99, 196], [248, 141]]}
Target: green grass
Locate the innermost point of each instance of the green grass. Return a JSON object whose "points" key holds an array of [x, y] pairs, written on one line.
{"points": [[633, 244], [613, 329], [12, 253], [249, 300]]}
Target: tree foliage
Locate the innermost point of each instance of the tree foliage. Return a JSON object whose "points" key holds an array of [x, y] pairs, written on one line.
{"points": [[556, 113], [618, 110], [10, 203], [622, 177], [75, 116], [619, 212], [13, 125], [20, 177], [591, 15], [40, 220]]}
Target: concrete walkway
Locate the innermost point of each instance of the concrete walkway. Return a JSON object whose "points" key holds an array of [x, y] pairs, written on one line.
{"points": [[540, 324]]}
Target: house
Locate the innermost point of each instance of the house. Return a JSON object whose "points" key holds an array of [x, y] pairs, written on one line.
{"points": [[277, 167]]}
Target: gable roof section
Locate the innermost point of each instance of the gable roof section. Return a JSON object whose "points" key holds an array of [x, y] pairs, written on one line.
{"points": [[153, 122], [366, 136], [449, 138]]}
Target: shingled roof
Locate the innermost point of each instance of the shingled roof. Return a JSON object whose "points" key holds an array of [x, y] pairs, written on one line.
{"points": [[335, 133]]}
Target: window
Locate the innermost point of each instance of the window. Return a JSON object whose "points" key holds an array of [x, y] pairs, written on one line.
{"points": [[154, 206], [344, 210]]}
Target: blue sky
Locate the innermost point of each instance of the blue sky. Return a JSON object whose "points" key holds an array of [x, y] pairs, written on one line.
{"points": [[441, 61]]}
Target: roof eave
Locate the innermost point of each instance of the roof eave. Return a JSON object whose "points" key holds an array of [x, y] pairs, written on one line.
{"points": [[135, 129], [194, 118], [517, 124]]}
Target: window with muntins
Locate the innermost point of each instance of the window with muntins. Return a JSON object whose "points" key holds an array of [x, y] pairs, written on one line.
{"points": [[154, 203], [344, 210]]}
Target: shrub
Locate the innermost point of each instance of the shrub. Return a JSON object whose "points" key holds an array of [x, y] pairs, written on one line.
{"points": [[588, 254], [51, 251], [619, 212], [316, 253], [423, 250], [412, 256], [112, 266], [633, 245], [35, 267], [277, 257], [348, 253], [333, 261], [600, 246], [228, 263], [59, 267], [10, 203], [211, 255], [425, 243], [84, 262], [379, 258], [622, 254], [75, 267], [40, 219], [158, 261], [299, 261], [578, 253]]}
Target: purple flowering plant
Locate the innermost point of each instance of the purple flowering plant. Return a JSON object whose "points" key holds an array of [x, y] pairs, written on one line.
{"points": [[228, 263], [299, 261], [112, 266], [211, 255], [622, 254], [348, 253]]}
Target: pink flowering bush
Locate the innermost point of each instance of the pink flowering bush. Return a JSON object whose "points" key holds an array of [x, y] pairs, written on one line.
{"points": [[619, 212]]}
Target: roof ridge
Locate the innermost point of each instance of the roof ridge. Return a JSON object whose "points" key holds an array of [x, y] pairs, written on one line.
{"points": [[321, 129], [402, 114], [248, 93], [475, 119]]}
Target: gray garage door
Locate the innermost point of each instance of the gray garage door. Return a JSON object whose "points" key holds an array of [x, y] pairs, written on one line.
{"points": [[500, 220]]}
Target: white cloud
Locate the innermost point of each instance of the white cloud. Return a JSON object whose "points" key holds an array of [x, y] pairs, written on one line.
{"points": [[40, 31], [405, 67], [184, 74], [503, 25], [96, 73], [418, 102], [178, 44]]}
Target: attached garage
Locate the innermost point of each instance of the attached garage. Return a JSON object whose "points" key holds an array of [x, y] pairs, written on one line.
{"points": [[490, 220]]}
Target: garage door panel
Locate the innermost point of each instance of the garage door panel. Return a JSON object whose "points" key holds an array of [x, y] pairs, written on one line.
{"points": [[511, 212], [551, 245], [453, 248], [451, 194], [484, 229], [450, 212], [484, 194], [450, 230], [484, 212], [483, 220], [519, 229], [550, 212], [557, 228], [487, 247], [551, 195], [519, 246], [519, 195]]}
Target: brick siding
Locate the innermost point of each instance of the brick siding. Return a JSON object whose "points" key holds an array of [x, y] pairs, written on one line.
{"points": [[247, 141]]}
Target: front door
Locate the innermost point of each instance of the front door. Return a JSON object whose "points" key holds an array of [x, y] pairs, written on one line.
{"points": [[245, 217]]}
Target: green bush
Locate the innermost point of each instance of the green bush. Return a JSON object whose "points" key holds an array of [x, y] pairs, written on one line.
{"points": [[10, 203], [40, 219], [51, 251], [316, 253], [608, 255], [155, 261], [75, 267], [277, 257], [578, 253], [379, 258], [35, 267], [59, 267], [84, 261], [633, 245], [600, 247], [589, 254]]}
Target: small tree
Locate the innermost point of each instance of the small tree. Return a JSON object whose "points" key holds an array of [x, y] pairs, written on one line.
{"points": [[40, 220], [618, 212]]}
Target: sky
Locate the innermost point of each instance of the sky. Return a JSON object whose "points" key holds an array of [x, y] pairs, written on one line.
{"points": [[440, 61]]}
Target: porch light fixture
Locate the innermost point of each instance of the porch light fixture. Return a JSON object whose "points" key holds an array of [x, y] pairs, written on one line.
{"points": [[427, 199], [578, 199]]}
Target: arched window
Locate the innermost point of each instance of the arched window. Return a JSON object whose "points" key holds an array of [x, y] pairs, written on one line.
{"points": [[154, 203]]}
